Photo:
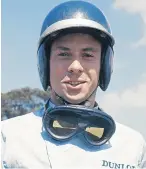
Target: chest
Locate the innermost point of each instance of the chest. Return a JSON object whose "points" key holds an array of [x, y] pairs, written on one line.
{"points": [[77, 154], [39, 151]]}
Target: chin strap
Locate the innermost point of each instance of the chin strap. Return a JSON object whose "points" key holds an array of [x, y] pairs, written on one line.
{"points": [[62, 100]]}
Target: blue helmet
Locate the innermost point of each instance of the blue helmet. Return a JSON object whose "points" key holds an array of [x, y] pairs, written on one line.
{"points": [[70, 17]]}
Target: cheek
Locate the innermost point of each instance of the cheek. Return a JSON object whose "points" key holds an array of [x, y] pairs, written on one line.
{"points": [[94, 75], [57, 72]]}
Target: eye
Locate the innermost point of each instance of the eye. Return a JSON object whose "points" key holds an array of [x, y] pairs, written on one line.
{"points": [[64, 54], [87, 55]]}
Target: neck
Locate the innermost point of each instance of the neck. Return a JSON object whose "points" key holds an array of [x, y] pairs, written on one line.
{"points": [[57, 100]]}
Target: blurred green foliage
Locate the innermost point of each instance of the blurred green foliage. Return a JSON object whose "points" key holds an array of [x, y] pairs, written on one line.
{"points": [[22, 101]]}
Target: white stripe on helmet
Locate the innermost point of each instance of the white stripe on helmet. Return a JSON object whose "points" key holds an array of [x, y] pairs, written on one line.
{"points": [[68, 23]]}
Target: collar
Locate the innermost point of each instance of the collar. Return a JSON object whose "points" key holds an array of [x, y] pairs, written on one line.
{"points": [[49, 103]]}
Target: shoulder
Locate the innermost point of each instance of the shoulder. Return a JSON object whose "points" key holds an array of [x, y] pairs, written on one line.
{"points": [[130, 141], [127, 132], [20, 139], [18, 124], [17, 131], [128, 138]]}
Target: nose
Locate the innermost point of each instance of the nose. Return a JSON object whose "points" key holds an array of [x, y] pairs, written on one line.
{"points": [[75, 67]]}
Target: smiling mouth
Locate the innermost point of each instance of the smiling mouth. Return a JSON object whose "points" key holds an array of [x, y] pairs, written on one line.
{"points": [[74, 83]]}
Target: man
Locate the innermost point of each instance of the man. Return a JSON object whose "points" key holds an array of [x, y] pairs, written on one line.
{"points": [[75, 55]]}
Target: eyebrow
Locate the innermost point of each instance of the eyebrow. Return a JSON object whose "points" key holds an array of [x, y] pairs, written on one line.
{"points": [[89, 49], [63, 48]]}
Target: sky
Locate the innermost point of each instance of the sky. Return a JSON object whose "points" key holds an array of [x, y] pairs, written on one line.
{"points": [[125, 98]]}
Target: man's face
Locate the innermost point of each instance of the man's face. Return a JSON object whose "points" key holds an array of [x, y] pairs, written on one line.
{"points": [[75, 66]]}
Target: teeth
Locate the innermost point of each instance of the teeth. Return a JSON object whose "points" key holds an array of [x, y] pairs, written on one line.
{"points": [[75, 83]]}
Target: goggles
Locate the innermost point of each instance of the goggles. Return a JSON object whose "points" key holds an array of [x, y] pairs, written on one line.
{"points": [[64, 122]]}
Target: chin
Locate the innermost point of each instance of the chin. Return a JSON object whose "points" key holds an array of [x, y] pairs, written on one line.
{"points": [[75, 99]]}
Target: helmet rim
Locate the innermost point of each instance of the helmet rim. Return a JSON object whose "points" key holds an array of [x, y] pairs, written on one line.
{"points": [[74, 23]]}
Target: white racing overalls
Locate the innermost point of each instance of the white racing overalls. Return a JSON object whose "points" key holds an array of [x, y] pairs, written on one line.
{"points": [[25, 144]]}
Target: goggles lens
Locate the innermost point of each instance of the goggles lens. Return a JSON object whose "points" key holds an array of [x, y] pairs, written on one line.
{"points": [[63, 126], [94, 133]]}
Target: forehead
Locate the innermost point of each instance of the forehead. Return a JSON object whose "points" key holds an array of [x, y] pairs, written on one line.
{"points": [[76, 38]]}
